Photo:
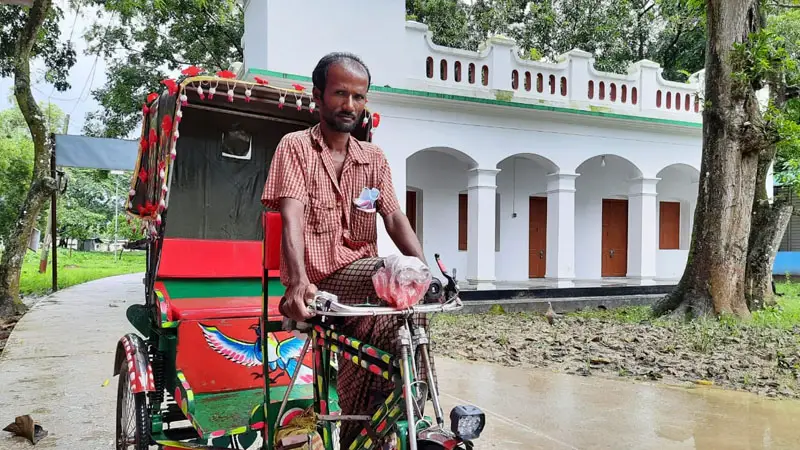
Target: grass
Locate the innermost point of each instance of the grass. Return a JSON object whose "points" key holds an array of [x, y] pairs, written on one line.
{"points": [[76, 267], [785, 315]]}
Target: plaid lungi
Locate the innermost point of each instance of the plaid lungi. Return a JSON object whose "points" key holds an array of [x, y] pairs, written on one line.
{"points": [[360, 389]]}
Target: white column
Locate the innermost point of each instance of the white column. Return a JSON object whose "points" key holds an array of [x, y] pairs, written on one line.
{"points": [[397, 164], [561, 228], [481, 227], [642, 230]]}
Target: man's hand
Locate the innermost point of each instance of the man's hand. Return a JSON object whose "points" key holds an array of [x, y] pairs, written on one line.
{"points": [[296, 301]]}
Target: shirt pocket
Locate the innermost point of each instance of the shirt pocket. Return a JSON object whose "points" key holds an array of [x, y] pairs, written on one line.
{"points": [[323, 216], [363, 225]]}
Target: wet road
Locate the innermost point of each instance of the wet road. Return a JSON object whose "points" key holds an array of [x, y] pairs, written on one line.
{"points": [[543, 410], [62, 351]]}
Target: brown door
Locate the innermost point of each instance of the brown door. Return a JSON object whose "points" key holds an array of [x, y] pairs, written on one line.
{"points": [[670, 226], [537, 237], [615, 238], [411, 209]]}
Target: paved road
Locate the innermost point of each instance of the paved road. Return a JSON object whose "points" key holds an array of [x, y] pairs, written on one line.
{"points": [[62, 351]]}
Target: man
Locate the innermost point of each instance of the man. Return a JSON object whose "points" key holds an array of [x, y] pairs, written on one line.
{"points": [[329, 237]]}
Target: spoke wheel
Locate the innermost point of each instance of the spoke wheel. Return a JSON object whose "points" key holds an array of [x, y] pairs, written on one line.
{"points": [[133, 424]]}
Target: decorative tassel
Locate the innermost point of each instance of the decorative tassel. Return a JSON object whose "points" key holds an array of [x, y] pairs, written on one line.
{"points": [[365, 121], [132, 192], [299, 104], [184, 99], [200, 93], [176, 135], [211, 92], [281, 101], [247, 93], [312, 106], [164, 188], [158, 220], [162, 204], [230, 95], [173, 154], [178, 117]]}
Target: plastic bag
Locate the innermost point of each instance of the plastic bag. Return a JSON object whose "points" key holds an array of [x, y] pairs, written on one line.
{"points": [[403, 281]]}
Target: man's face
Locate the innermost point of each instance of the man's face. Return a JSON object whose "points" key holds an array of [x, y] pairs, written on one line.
{"points": [[345, 96]]}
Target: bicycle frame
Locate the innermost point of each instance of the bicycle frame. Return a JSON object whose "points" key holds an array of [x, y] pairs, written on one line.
{"points": [[402, 370]]}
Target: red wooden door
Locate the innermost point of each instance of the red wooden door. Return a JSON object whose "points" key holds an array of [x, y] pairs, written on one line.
{"points": [[669, 226], [411, 209], [615, 238], [537, 237]]}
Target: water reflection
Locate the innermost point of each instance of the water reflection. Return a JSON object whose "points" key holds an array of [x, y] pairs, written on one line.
{"points": [[539, 409]]}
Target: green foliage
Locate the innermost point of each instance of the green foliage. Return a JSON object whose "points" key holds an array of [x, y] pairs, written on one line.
{"points": [[86, 209], [148, 42], [58, 56], [16, 162]]}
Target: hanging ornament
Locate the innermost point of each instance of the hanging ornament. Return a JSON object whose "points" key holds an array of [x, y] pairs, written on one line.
{"points": [[211, 92], [162, 170], [166, 125], [164, 188], [281, 101], [162, 204], [365, 121], [230, 95], [247, 93], [172, 86], [132, 193], [192, 71], [173, 154], [200, 92], [299, 103], [184, 99], [312, 106], [176, 135], [158, 221], [178, 117]]}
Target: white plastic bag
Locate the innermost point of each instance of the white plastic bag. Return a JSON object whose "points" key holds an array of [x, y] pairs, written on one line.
{"points": [[403, 281]]}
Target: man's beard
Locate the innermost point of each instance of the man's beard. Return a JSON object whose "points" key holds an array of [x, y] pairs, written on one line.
{"points": [[342, 127]]}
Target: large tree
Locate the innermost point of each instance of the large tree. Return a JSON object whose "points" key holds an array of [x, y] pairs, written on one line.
{"points": [[28, 33], [145, 42], [738, 147]]}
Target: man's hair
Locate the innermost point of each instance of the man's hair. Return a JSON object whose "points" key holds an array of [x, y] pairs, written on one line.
{"points": [[320, 75]]}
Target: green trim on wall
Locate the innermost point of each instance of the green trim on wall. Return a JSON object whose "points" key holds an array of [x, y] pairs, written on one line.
{"points": [[486, 101]]}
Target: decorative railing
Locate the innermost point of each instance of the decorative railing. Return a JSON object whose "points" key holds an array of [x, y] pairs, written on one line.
{"points": [[571, 81]]}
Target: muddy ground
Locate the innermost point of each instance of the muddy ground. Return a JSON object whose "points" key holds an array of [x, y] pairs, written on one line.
{"points": [[757, 359]]}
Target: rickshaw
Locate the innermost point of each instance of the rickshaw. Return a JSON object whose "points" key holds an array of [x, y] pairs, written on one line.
{"points": [[214, 364]]}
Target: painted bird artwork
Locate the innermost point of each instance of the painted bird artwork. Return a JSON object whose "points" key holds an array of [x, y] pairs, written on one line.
{"points": [[283, 355]]}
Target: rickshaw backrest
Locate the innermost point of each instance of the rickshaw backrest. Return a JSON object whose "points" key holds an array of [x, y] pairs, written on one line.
{"points": [[272, 243], [201, 258]]}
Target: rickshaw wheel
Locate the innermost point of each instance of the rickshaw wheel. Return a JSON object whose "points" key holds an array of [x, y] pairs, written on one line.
{"points": [[133, 428]]}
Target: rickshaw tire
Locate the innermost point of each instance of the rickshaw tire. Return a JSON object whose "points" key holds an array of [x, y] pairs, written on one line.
{"points": [[142, 420]]}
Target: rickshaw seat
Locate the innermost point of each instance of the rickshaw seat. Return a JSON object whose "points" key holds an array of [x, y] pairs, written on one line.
{"points": [[220, 308]]}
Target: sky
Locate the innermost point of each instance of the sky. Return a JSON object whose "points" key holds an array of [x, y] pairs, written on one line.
{"points": [[88, 73]]}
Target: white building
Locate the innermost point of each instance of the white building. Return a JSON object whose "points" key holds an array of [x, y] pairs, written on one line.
{"points": [[512, 170]]}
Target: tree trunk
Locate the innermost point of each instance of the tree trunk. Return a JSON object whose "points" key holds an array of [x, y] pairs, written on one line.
{"points": [[769, 220], [714, 279], [42, 184]]}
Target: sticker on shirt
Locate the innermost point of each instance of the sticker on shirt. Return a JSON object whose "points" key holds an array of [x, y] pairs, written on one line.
{"points": [[366, 201]]}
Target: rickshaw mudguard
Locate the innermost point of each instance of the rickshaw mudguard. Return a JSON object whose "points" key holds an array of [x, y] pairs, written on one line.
{"points": [[133, 350]]}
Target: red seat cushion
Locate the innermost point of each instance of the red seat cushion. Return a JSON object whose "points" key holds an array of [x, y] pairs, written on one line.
{"points": [[221, 308]]}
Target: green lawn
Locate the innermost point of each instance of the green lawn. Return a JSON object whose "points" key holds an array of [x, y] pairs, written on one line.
{"points": [[77, 267], [786, 315]]}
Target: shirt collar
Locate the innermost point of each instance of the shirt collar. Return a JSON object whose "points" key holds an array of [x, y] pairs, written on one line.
{"points": [[355, 149]]}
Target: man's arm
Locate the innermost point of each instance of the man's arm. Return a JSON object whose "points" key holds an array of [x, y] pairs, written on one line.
{"points": [[292, 240], [403, 235]]}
